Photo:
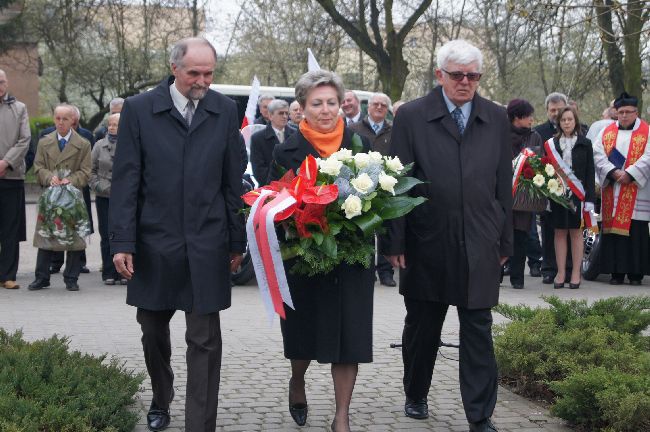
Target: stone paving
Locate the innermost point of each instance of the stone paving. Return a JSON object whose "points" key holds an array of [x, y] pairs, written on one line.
{"points": [[253, 394]]}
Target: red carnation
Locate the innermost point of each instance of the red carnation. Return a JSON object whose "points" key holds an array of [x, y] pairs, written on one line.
{"points": [[546, 160], [528, 173]]}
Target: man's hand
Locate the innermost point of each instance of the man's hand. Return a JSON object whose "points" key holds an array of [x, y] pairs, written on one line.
{"points": [[235, 261], [65, 181], [124, 264], [396, 260], [503, 260], [54, 181], [4, 165], [624, 179]]}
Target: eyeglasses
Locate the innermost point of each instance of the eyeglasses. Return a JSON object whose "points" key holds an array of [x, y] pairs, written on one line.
{"points": [[458, 76], [379, 105], [623, 112]]}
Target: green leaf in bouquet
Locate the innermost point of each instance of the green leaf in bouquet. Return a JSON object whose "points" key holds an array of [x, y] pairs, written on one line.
{"points": [[318, 238], [350, 226], [329, 246], [366, 205], [305, 243], [368, 222], [405, 184], [288, 252], [335, 228], [398, 206], [371, 196], [357, 144]]}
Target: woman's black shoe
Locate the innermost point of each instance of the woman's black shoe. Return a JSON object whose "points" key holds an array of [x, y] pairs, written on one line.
{"points": [[298, 410], [574, 286], [558, 285]]}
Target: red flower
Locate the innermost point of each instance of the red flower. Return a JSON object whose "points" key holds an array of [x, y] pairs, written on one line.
{"points": [[528, 173], [312, 214], [546, 160], [58, 223], [40, 218]]}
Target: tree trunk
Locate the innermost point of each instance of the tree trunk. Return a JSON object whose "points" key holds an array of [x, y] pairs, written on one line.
{"points": [[616, 71]]}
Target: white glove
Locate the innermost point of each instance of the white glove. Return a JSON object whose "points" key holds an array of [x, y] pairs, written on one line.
{"points": [[589, 207]]}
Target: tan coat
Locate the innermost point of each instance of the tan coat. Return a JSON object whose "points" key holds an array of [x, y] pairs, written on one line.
{"points": [[14, 137], [75, 158]]}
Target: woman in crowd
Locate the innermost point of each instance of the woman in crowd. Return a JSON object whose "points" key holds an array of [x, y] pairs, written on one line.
{"points": [[577, 152], [520, 114], [100, 182], [332, 320]]}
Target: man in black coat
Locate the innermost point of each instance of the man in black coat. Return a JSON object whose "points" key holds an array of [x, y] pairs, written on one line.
{"points": [[452, 247], [263, 107], [264, 141], [554, 103], [176, 230]]}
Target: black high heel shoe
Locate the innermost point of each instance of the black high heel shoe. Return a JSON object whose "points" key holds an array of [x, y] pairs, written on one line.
{"points": [[298, 410], [558, 285], [574, 286]]}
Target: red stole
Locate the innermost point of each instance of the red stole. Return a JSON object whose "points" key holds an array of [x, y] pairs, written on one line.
{"points": [[619, 222]]}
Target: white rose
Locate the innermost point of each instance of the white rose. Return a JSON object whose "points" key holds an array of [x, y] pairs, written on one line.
{"points": [[352, 206], [387, 182], [553, 186], [550, 171], [539, 180], [331, 166], [375, 157], [362, 184], [361, 160], [394, 164], [343, 154]]}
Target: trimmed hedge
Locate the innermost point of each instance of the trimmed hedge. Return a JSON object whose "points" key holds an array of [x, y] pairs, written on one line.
{"points": [[45, 387], [591, 362]]}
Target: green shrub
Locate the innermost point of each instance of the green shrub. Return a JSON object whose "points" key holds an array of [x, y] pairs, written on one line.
{"points": [[45, 387], [37, 124], [591, 361]]}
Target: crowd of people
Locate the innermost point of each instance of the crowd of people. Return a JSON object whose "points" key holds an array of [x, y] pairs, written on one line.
{"points": [[177, 254]]}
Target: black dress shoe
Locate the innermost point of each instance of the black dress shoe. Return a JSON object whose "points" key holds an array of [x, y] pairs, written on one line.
{"points": [[38, 284], [635, 282], [547, 279], [387, 281], [157, 418], [84, 269], [416, 409], [72, 286], [518, 286], [574, 285], [298, 410], [535, 271], [483, 426], [558, 285], [615, 281]]}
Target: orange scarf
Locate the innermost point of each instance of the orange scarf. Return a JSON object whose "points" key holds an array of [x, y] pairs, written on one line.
{"points": [[325, 143]]}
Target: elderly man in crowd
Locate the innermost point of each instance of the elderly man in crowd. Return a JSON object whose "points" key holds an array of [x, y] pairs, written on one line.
{"points": [[114, 107], [263, 142], [295, 114], [176, 230], [452, 247], [622, 157], [350, 107], [14, 143], [62, 150], [377, 129], [263, 105]]}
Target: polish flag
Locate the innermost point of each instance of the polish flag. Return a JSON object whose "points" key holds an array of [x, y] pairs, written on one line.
{"points": [[251, 105]]}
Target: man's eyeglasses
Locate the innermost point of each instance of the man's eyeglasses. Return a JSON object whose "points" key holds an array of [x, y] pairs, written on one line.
{"points": [[624, 112], [379, 105], [458, 76]]}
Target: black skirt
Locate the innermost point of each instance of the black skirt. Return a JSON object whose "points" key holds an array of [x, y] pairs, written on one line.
{"points": [[623, 254], [332, 322], [564, 218]]}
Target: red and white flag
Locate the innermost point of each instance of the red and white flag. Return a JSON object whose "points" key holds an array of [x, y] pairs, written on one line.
{"points": [[251, 105]]}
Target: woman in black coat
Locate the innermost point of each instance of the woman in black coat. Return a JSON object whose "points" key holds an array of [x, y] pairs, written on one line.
{"points": [[577, 152], [332, 320]]}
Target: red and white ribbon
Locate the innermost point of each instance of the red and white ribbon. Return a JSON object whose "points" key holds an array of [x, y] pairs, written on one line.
{"points": [[265, 251], [518, 167], [589, 220], [564, 170]]}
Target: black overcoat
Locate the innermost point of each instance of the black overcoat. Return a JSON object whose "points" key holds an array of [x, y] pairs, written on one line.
{"points": [[452, 243], [175, 200], [262, 144], [332, 322]]}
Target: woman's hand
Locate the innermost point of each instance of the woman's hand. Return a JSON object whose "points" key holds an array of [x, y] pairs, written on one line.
{"points": [[396, 260]]}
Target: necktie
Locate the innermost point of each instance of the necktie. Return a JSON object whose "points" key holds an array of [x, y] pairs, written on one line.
{"points": [[375, 127], [62, 143], [457, 115], [281, 136], [189, 112]]}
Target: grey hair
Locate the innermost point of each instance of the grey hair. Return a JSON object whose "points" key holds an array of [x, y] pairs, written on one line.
{"points": [[461, 52], [381, 95], [264, 97], [115, 102], [180, 49], [277, 104], [318, 78], [556, 97], [354, 94], [76, 111], [72, 108], [113, 115]]}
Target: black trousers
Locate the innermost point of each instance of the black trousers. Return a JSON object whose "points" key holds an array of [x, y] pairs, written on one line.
{"points": [[58, 259], [72, 268], [203, 357], [12, 210], [108, 268], [533, 246], [518, 259], [384, 268], [478, 367], [549, 266]]}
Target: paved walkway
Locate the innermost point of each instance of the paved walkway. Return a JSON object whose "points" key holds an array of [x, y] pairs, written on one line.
{"points": [[255, 373]]}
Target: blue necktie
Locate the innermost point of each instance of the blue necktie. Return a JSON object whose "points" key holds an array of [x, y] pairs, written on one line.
{"points": [[62, 143], [457, 115], [375, 127]]}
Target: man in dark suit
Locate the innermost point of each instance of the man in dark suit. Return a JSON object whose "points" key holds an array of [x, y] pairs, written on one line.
{"points": [[377, 129], [554, 103], [263, 107], [176, 231], [264, 141], [451, 248], [351, 108]]}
